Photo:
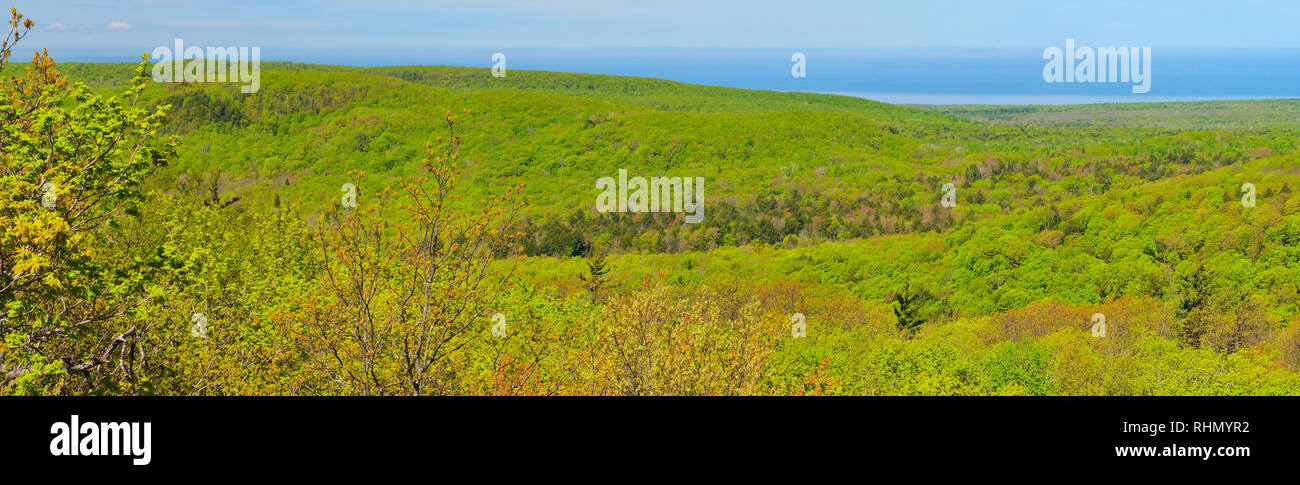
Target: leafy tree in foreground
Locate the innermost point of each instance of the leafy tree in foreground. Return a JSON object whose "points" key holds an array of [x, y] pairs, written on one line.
{"points": [[398, 303], [71, 165]]}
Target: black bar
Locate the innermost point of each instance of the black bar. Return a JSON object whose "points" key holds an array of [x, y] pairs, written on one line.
{"points": [[324, 435]]}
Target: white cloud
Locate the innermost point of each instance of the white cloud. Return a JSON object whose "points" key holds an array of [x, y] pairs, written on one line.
{"points": [[118, 26], [60, 26]]}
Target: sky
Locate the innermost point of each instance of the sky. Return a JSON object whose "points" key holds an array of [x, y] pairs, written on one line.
{"points": [[141, 25]]}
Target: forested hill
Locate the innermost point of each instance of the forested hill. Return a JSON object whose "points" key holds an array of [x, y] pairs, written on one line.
{"points": [[312, 126], [659, 94], [817, 167]]}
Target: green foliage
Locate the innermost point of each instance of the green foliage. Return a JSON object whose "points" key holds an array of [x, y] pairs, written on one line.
{"points": [[1023, 368], [73, 167], [907, 308], [819, 205]]}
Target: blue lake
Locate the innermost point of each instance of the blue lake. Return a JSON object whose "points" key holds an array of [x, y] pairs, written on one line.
{"points": [[906, 76]]}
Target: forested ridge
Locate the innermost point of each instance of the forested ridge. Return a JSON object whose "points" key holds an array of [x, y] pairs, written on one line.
{"points": [[196, 242]]}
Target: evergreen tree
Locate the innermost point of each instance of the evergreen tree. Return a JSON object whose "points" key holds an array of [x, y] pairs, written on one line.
{"points": [[597, 269], [907, 308]]}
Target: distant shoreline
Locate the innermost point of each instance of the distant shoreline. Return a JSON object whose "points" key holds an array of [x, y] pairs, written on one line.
{"points": [[896, 76], [918, 99]]}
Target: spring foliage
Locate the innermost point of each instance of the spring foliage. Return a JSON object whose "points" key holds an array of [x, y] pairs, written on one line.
{"points": [[185, 239]]}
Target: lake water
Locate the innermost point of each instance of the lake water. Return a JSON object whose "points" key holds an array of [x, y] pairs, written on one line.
{"points": [[905, 76]]}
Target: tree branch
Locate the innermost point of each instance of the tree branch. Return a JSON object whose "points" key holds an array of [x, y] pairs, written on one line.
{"points": [[103, 358]]}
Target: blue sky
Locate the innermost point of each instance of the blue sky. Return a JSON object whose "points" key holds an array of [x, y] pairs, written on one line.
{"points": [[378, 24]]}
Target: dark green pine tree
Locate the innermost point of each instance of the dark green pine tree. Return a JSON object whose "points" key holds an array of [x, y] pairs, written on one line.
{"points": [[597, 269], [907, 308]]}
